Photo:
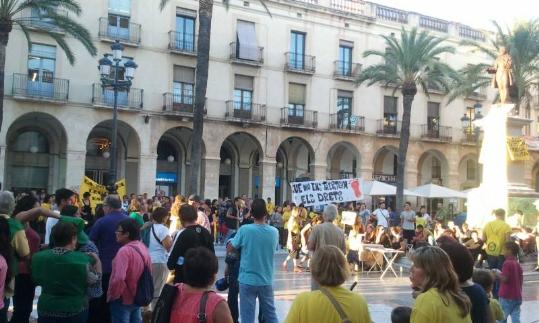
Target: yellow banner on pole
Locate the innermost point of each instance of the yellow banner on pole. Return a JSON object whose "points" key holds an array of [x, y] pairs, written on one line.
{"points": [[517, 149], [95, 189]]}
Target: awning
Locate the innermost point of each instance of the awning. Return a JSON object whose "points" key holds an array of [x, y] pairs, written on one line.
{"points": [[436, 191], [377, 188]]}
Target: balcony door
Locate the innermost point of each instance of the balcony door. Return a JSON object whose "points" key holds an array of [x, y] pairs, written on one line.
{"points": [[41, 68], [183, 89], [118, 19], [345, 58], [297, 50], [433, 119], [344, 110], [123, 96], [243, 96], [246, 44], [296, 103], [390, 114], [185, 30]]}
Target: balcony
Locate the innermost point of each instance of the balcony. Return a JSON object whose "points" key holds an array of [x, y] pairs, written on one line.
{"points": [[433, 24], [299, 119], [470, 138], [128, 35], [40, 22], [178, 104], [298, 63], [182, 43], [391, 14], [246, 54], [245, 112], [442, 134], [478, 94], [346, 71], [388, 128], [350, 6], [126, 100], [342, 123], [47, 89]]}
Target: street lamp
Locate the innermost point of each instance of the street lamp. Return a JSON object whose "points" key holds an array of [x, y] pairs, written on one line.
{"points": [[105, 67], [468, 119]]}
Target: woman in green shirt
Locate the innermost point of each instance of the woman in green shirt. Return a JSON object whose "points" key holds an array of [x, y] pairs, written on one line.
{"points": [[64, 275], [134, 212]]}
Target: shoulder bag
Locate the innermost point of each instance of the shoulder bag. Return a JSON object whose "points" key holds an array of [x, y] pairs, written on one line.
{"points": [[336, 305]]}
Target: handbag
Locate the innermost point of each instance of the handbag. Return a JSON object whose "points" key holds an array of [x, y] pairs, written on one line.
{"points": [[163, 307], [336, 305]]}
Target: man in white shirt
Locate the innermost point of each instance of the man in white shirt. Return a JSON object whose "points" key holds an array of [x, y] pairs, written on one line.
{"points": [[62, 198], [381, 214]]}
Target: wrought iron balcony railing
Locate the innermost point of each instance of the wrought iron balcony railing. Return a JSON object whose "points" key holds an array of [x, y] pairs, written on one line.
{"points": [[246, 54], [345, 122], [244, 111], [439, 133], [176, 102], [40, 87], [129, 34], [105, 97], [299, 118], [300, 63], [182, 43], [388, 128], [346, 70]]}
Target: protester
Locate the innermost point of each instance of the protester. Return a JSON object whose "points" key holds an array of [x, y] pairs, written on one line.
{"points": [[234, 217], [423, 217], [485, 279], [381, 215], [463, 263], [202, 218], [293, 241], [511, 280], [276, 221], [64, 275], [127, 268], [63, 197], [103, 234], [495, 234], [329, 269], [159, 245], [257, 243], [200, 270], [193, 235], [6, 254], [408, 218], [270, 207], [440, 299]]}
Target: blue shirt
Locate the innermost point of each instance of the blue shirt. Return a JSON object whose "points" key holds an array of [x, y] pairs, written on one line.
{"points": [[257, 244], [103, 234]]}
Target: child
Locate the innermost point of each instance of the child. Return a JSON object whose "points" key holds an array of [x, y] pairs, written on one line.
{"points": [[401, 314], [485, 279], [510, 282]]}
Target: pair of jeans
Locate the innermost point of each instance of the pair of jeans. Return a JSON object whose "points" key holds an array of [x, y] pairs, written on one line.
{"points": [[82, 317], [511, 307], [23, 298], [3, 311], [232, 299], [495, 262], [248, 296], [121, 313]]}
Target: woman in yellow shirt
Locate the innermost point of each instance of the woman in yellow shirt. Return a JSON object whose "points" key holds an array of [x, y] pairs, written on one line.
{"points": [[330, 271], [293, 243], [440, 298]]}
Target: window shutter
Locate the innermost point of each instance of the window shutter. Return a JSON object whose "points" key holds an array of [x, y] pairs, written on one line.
{"points": [[185, 12], [433, 109], [390, 104], [243, 82], [345, 94], [184, 74], [121, 7], [346, 43], [296, 93]]}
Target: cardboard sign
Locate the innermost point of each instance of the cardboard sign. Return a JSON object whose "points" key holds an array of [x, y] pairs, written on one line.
{"points": [[315, 193], [349, 217]]}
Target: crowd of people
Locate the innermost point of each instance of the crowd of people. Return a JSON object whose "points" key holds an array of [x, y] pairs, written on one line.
{"points": [[133, 258]]}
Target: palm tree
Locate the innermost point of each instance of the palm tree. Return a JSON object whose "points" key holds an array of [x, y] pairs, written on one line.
{"points": [[523, 45], [43, 15], [205, 12], [408, 63]]}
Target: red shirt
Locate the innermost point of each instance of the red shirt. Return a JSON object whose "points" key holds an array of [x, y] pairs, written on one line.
{"points": [[512, 288], [34, 240], [186, 306]]}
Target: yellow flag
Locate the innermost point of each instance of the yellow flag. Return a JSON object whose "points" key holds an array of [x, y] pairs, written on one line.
{"points": [[95, 189], [120, 188]]}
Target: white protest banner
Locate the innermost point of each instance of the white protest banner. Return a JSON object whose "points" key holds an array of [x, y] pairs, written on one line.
{"points": [[326, 192], [349, 217]]}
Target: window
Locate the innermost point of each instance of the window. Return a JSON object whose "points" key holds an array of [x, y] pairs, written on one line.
{"points": [[243, 92], [433, 116], [118, 19], [436, 170], [184, 83], [390, 114], [345, 58], [297, 50], [296, 99], [344, 109], [185, 29], [247, 46], [31, 141], [41, 66], [470, 170], [123, 96]]}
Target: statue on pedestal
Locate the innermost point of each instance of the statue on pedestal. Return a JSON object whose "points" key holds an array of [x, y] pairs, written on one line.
{"points": [[503, 74]]}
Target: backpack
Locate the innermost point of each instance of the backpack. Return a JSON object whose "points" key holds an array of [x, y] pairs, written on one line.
{"points": [[145, 290], [145, 236]]}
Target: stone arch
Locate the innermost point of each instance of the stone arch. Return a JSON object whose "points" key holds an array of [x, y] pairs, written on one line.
{"points": [[343, 160], [433, 167], [35, 153], [468, 171], [384, 164]]}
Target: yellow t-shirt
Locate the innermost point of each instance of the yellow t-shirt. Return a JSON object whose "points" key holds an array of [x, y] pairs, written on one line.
{"points": [[420, 220], [433, 307], [292, 225], [286, 216], [270, 207], [314, 306], [496, 309], [496, 232]]}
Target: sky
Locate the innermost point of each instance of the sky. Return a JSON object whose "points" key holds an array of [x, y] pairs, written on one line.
{"points": [[475, 13]]}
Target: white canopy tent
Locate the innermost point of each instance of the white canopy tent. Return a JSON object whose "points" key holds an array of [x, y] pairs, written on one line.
{"points": [[377, 188], [436, 191]]}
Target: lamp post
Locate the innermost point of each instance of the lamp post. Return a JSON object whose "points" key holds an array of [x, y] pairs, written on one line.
{"points": [[468, 119], [116, 85]]}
